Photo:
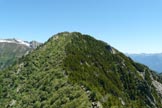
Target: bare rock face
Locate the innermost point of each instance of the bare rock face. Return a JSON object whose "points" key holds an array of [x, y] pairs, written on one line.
{"points": [[34, 44], [158, 86]]}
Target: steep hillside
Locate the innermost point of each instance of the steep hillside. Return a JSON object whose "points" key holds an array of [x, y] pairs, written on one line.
{"points": [[12, 49], [72, 70], [39, 81]]}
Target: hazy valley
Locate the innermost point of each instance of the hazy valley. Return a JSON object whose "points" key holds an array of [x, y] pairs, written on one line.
{"points": [[153, 61]]}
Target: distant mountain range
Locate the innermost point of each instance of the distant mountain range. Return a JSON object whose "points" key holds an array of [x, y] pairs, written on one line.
{"points": [[12, 49], [74, 70], [153, 61]]}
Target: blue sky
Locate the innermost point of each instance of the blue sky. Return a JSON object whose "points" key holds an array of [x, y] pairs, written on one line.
{"points": [[133, 26]]}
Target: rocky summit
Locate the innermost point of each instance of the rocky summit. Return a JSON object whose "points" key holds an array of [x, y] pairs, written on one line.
{"points": [[73, 70]]}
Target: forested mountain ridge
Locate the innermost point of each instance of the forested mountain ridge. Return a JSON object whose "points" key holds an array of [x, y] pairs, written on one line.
{"points": [[73, 70]]}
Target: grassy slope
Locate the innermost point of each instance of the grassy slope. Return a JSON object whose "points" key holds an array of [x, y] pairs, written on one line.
{"points": [[38, 81]]}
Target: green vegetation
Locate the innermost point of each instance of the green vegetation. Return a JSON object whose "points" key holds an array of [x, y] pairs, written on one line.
{"points": [[91, 63], [38, 81], [72, 70]]}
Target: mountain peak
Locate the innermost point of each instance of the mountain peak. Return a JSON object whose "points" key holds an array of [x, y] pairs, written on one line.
{"points": [[16, 41], [79, 37], [64, 34], [32, 44]]}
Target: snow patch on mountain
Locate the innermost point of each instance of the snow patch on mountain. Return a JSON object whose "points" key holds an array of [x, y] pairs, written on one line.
{"points": [[16, 41], [23, 42]]}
